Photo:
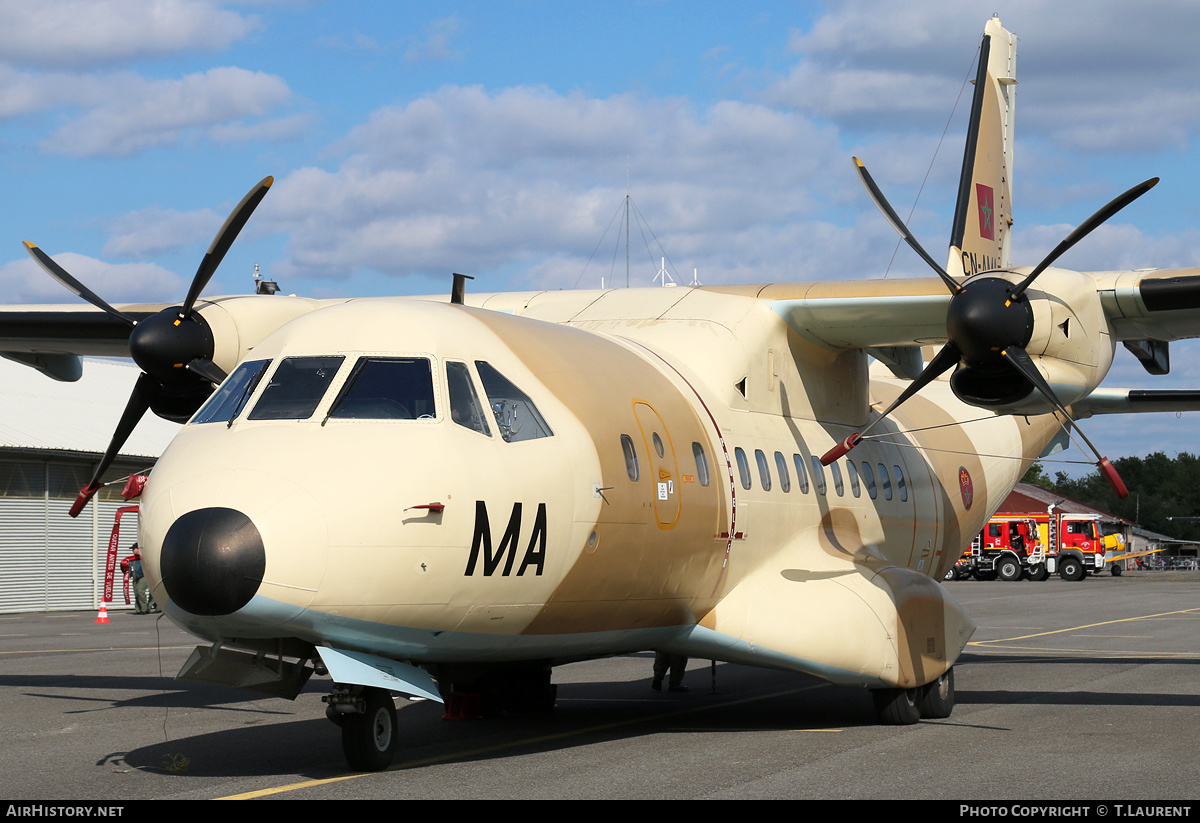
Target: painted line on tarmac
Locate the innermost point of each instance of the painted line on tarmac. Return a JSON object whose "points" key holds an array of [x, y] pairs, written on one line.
{"points": [[527, 741], [1001, 640], [100, 649]]}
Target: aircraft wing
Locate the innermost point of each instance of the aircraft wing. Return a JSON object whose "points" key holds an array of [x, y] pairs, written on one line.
{"points": [[879, 315], [52, 338], [1151, 304], [1148, 304], [68, 329], [859, 314], [1132, 555]]}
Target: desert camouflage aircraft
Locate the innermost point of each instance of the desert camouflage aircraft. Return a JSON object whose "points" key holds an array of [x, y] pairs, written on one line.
{"points": [[448, 498]]}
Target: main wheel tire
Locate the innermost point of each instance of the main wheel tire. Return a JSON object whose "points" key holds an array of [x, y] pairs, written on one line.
{"points": [[937, 698], [369, 739], [1038, 573], [1071, 569], [1007, 568], [897, 707]]}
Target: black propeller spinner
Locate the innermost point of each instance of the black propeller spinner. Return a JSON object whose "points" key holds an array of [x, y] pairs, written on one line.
{"points": [[989, 322], [173, 348]]}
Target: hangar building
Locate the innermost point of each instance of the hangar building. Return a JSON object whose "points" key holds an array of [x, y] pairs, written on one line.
{"points": [[51, 436]]}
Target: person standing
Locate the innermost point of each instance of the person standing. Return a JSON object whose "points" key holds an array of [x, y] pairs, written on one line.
{"points": [[676, 664], [144, 601]]}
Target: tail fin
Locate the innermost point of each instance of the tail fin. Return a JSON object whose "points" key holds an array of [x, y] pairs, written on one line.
{"points": [[979, 239]]}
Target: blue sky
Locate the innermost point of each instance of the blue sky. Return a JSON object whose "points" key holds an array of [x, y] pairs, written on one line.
{"points": [[410, 140]]}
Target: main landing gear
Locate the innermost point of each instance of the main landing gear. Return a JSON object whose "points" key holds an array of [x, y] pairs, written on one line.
{"points": [[903, 707]]}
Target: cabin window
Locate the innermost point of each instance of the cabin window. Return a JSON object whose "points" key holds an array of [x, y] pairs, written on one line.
{"points": [[296, 388], [743, 467], [886, 481], [231, 397], [801, 473], [869, 478], [465, 408], [836, 471], [764, 469], [631, 459], [818, 474], [852, 473], [517, 417], [386, 388], [658, 444], [901, 486], [701, 464], [785, 480]]}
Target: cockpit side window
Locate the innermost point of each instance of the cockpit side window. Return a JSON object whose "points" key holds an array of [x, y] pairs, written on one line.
{"points": [[229, 400], [387, 388], [517, 417], [296, 388], [465, 408]]}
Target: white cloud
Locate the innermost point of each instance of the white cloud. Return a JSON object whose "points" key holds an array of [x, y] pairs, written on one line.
{"points": [[1105, 75], [155, 230], [437, 42], [82, 33], [127, 113], [23, 281], [462, 179]]}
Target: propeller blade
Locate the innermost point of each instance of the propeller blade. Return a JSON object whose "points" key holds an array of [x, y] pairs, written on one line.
{"points": [[207, 369], [944, 360], [224, 239], [74, 286], [139, 402], [882, 204], [1085, 228], [1022, 362]]}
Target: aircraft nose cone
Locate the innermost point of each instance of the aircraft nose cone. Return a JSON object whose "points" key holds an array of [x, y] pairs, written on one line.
{"points": [[213, 561]]}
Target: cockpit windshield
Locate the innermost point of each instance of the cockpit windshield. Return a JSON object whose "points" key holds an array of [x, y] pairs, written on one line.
{"points": [[296, 388], [377, 388], [229, 400], [516, 415], [387, 388]]}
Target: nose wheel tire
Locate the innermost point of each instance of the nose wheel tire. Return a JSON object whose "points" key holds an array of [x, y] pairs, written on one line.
{"points": [[369, 739]]}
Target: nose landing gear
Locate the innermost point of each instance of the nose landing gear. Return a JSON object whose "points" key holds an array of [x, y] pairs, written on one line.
{"points": [[367, 717]]}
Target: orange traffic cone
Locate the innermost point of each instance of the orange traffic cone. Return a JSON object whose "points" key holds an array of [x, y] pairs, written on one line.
{"points": [[103, 617]]}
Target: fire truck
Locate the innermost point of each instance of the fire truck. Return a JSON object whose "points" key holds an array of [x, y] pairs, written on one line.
{"points": [[1009, 546], [1013, 545]]}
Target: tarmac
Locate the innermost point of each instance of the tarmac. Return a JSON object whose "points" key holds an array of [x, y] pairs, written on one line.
{"points": [[1081, 691]]}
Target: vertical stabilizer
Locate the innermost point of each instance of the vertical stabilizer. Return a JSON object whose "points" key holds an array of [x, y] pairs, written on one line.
{"points": [[979, 239]]}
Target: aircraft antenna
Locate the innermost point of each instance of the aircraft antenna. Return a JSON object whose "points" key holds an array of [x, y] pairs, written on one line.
{"points": [[662, 272]]}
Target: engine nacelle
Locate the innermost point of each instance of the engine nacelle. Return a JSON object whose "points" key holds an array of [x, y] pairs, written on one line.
{"points": [[1071, 347]]}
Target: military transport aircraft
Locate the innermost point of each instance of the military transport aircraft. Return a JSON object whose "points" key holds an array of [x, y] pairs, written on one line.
{"points": [[448, 497]]}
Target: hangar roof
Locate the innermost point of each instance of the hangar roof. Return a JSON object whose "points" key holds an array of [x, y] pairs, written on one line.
{"points": [[37, 412], [1026, 497]]}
